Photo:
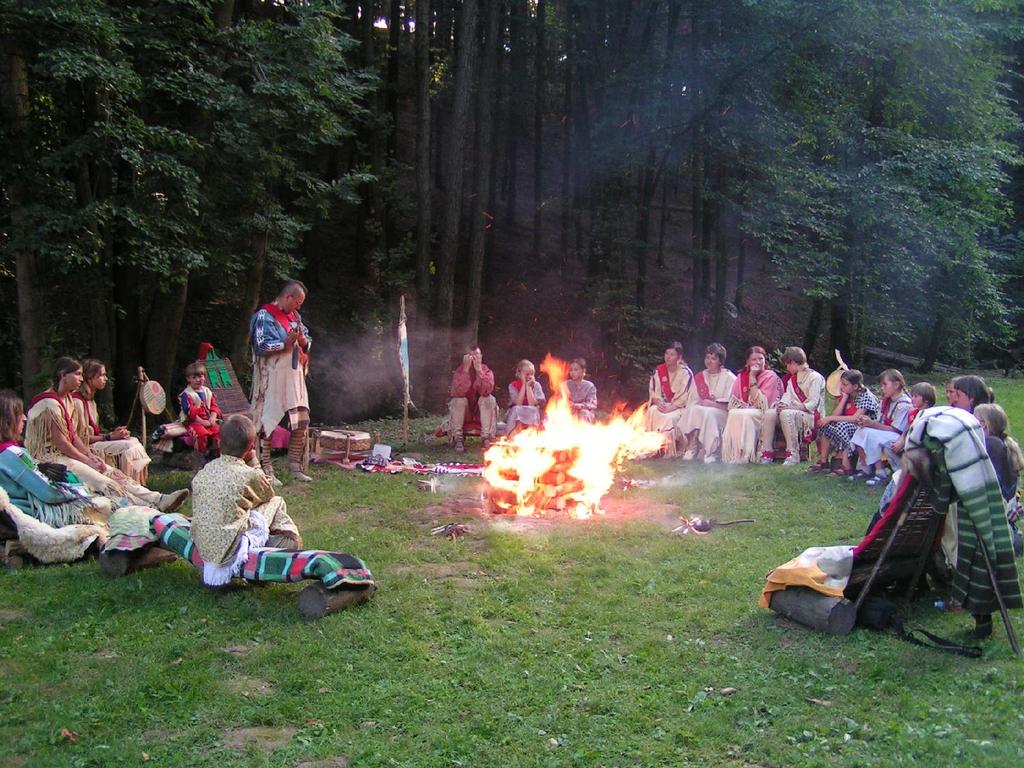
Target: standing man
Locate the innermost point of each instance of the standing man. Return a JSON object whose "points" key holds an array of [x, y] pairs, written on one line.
{"points": [[280, 349], [472, 400]]}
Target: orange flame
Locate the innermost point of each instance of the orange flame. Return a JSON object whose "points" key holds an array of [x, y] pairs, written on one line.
{"points": [[570, 462]]}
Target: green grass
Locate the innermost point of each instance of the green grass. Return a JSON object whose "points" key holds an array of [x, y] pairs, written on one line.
{"points": [[562, 643]]}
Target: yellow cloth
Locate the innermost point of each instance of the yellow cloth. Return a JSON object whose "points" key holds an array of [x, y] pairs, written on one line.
{"points": [[823, 569]]}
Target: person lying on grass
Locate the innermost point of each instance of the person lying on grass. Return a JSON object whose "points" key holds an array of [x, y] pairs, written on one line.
{"points": [[234, 508]]}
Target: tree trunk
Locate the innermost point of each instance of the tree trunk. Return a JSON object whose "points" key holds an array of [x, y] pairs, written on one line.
{"points": [[935, 339], [741, 268], [721, 263], [452, 165], [538, 133], [663, 223], [129, 330], [163, 329], [250, 299], [840, 324], [441, 105], [643, 226], [394, 44], [32, 315], [517, 41], [567, 66], [813, 327], [225, 14], [478, 220], [697, 244], [423, 150]]}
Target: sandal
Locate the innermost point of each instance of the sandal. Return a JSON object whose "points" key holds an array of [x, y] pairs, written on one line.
{"points": [[841, 472], [821, 466], [858, 475]]}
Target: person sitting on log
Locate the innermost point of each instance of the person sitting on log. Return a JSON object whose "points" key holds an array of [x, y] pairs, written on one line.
{"points": [[525, 399], [798, 411], [668, 394], [836, 431], [200, 413], [472, 401], [754, 393], [53, 435], [116, 447], [581, 393], [707, 409], [55, 516], [874, 436], [234, 509]]}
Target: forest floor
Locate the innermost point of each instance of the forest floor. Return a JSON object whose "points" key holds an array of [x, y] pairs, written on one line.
{"points": [[550, 642]]}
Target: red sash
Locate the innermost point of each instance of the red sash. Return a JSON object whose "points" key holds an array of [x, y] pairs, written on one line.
{"points": [[703, 390], [88, 414], [888, 419], [666, 387], [850, 408], [745, 385], [286, 321], [802, 397], [48, 395], [799, 392], [912, 415]]}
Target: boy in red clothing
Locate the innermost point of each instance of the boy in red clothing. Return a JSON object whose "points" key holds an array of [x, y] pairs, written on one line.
{"points": [[472, 400]]}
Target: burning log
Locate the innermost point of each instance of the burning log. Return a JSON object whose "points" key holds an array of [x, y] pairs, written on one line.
{"points": [[566, 466]]}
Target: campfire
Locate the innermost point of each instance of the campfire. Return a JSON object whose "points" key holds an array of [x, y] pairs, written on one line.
{"points": [[569, 465]]}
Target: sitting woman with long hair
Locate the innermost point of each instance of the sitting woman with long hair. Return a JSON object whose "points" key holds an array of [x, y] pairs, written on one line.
{"points": [[755, 390], [55, 517], [52, 435], [117, 447]]}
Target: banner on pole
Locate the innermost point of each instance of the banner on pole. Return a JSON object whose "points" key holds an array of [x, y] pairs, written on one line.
{"points": [[403, 352]]}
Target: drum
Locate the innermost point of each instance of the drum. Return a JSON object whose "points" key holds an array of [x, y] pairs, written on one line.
{"points": [[153, 397], [343, 441], [834, 378]]}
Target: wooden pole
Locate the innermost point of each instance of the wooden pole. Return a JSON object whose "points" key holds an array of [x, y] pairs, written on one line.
{"points": [[404, 340]]}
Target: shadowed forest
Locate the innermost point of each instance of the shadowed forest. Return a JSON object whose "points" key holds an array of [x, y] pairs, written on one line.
{"points": [[587, 178]]}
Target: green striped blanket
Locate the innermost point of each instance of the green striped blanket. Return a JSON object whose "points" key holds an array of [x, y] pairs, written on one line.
{"points": [[961, 470]]}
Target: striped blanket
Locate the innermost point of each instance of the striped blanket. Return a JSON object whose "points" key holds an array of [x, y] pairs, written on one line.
{"points": [[961, 467], [333, 569], [171, 531]]}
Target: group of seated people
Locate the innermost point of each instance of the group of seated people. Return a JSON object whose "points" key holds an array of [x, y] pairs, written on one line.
{"points": [[472, 406], [58, 468], [717, 415]]}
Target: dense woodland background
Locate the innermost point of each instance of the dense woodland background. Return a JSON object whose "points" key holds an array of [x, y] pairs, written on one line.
{"points": [[587, 177]]}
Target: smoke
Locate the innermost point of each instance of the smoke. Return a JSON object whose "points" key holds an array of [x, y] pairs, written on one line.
{"points": [[354, 377]]}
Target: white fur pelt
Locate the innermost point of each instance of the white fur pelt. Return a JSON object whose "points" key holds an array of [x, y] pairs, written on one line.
{"points": [[48, 544]]}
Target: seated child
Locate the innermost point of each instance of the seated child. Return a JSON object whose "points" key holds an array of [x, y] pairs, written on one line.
{"points": [[525, 399], [922, 397], [1008, 462], [836, 431], [874, 435], [582, 394], [200, 413], [234, 509]]}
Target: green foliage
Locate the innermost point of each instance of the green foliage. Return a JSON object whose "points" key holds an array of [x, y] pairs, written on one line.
{"points": [[163, 146]]}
